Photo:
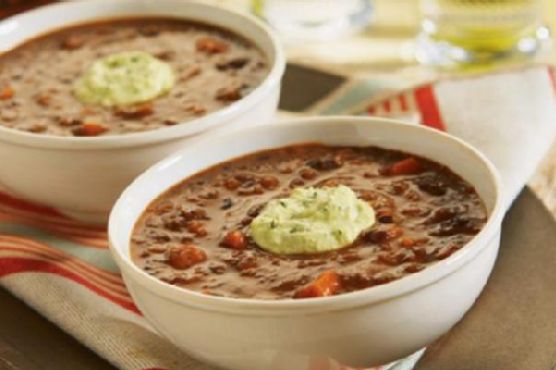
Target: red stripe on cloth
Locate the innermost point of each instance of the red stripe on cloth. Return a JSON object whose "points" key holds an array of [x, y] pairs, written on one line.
{"points": [[371, 109], [25, 205], [46, 215], [403, 103], [387, 104], [76, 230], [552, 76], [428, 106], [13, 265]]}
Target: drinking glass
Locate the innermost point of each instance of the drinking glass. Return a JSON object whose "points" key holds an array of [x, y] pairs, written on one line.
{"points": [[314, 19], [480, 31]]}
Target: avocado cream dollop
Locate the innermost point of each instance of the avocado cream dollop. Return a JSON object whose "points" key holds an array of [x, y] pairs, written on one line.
{"points": [[124, 78], [312, 220]]}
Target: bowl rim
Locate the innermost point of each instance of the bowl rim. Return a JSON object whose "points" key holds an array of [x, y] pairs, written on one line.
{"points": [[367, 296], [190, 128]]}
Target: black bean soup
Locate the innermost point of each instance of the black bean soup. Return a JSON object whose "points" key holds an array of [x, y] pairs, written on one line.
{"points": [[196, 235], [213, 68]]}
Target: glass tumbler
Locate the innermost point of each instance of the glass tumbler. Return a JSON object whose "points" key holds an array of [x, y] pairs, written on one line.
{"points": [[480, 31], [314, 19]]}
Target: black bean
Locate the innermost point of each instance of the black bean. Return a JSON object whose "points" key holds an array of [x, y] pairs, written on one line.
{"points": [[236, 63], [432, 184], [255, 210], [458, 225], [325, 164], [226, 204]]}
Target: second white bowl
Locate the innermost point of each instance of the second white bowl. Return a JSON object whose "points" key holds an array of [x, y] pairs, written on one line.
{"points": [[82, 177]]}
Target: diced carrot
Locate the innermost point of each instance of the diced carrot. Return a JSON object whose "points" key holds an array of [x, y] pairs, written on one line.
{"points": [[37, 127], [308, 173], [326, 284], [73, 42], [43, 100], [211, 45], [270, 182], [185, 256], [190, 73], [407, 242], [235, 240], [195, 108], [394, 232], [408, 166], [135, 111], [228, 94], [197, 228], [6, 93], [391, 259], [90, 129], [231, 183]]}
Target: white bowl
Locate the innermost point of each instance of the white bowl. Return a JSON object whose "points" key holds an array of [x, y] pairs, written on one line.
{"points": [[82, 177], [363, 328]]}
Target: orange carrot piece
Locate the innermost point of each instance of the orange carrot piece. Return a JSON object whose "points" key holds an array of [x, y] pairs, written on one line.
{"points": [[326, 284], [90, 129], [211, 45], [185, 256], [408, 166], [235, 240], [6, 93]]}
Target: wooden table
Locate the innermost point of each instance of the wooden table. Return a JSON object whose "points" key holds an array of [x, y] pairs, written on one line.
{"points": [[30, 342]]}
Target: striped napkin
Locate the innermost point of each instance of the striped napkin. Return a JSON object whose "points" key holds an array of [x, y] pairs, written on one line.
{"points": [[64, 271], [510, 116]]}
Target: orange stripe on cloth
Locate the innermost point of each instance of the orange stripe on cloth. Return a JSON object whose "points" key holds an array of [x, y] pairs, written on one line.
{"points": [[100, 242], [428, 106], [13, 265], [10, 203], [13, 251], [74, 226], [403, 102], [17, 240]]}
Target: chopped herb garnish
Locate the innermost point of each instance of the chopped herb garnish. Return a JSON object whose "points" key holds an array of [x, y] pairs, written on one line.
{"points": [[296, 228], [337, 233]]}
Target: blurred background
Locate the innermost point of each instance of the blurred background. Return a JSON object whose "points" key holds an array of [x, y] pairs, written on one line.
{"points": [[405, 41], [415, 39]]}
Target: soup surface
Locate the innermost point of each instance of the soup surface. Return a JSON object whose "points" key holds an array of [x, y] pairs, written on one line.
{"points": [[197, 234], [211, 68]]}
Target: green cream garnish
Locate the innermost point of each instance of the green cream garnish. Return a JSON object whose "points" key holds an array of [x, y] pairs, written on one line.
{"points": [[312, 220], [124, 78]]}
